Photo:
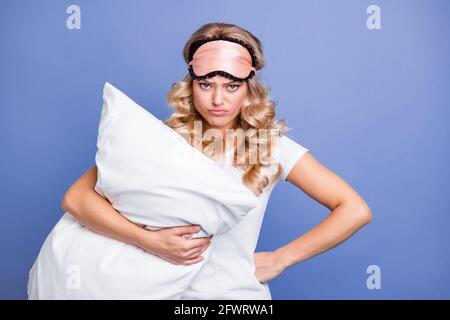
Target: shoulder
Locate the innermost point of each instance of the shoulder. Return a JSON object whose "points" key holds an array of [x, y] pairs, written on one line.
{"points": [[289, 151]]}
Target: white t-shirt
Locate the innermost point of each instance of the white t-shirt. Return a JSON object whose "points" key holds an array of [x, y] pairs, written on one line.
{"points": [[229, 273]]}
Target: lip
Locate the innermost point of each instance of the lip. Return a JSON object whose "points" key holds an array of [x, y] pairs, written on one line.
{"points": [[217, 112]]}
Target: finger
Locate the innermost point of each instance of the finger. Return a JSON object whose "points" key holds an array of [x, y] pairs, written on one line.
{"points": [[192, 261], [205, 238], [204, 249], [195, 252], [195, 243], [179, 231]]}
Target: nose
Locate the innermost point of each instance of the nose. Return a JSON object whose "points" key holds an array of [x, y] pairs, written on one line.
{"points": [[217, 97]]}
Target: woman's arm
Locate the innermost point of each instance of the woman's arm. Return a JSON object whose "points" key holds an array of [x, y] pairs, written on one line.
{"points": [[97, 214], [81, 201], [349, 212]]}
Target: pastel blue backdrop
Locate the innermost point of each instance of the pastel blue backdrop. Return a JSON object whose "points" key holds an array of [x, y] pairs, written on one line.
{"points": [[371, 104]]}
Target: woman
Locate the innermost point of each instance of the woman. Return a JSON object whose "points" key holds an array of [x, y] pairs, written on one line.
{"points": [[222, 92]]}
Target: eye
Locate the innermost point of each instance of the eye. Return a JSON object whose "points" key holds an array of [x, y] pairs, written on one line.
{"points": [[205, 85], [234, 85], [202, 83]]}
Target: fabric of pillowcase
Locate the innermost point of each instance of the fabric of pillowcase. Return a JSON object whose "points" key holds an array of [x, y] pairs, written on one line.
{"points": [[152, 176]]}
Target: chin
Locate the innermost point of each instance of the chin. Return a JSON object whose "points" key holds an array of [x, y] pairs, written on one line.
{"points": [[218, 121]]}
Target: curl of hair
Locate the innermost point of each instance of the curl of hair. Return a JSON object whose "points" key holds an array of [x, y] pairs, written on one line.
{"points": [[257, 112]]}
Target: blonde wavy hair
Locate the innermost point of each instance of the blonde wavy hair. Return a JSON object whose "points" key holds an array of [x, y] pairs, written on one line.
{"points": [[257, 112]]}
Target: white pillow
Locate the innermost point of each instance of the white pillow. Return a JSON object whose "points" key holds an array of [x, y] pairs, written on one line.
{"points": [[139, 175], [153, 176]]}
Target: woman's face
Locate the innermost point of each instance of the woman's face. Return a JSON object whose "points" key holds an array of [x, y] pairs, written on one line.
{"points": [[219, 101]]}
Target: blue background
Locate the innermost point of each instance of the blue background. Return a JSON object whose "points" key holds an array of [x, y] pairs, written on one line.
{"points": [[371, 105]]}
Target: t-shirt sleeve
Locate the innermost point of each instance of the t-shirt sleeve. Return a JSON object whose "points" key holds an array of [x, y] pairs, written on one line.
{"points": [[289, 153]]}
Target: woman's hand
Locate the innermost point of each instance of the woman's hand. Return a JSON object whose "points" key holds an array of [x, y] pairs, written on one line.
{"points": [[268, 266], [170, 245]]}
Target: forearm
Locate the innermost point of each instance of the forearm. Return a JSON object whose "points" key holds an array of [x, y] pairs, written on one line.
{"points": [[339, 225], [97, 214]]}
